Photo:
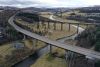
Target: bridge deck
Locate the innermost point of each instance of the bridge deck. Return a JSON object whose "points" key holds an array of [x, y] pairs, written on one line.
{"points": [[76, 49]]}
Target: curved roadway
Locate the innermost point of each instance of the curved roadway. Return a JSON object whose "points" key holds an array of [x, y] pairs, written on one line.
{"points": [[80, 50], [72, 37]]}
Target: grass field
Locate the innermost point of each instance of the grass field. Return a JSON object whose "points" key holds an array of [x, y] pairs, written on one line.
{"points": [[45, 14], [6, 49], [34, 44], [55, 34]]}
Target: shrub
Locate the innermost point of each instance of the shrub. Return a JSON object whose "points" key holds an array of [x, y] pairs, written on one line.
{"points": [[97, 64], [50, 57], [97, 46]]}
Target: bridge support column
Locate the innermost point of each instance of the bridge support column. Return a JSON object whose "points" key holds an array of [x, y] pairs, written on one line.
{"points": [[61, 26], [91, 61], [54, 26], [77, 28], [33, 40], [48, 25], [70, 58], [24, 37], [69, 27], [38, 25], [50, 48]]}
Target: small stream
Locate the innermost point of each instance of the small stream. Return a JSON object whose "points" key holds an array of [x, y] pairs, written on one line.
{"points": [[32, 59]]}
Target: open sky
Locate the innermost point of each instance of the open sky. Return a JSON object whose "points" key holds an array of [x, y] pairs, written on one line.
{"points": [[49, 3]]}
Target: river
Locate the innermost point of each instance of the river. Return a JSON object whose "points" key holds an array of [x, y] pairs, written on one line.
{"points": [[32, 59]]}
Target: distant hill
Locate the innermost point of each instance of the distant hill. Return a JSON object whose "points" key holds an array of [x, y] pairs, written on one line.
{"points": [[8, 8], [45, 9], [97, 7], [93, 9], [34, 9]]}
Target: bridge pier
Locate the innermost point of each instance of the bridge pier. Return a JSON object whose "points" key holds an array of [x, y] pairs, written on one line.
{"points": [[70, 57], [38, 25], [77, 28], [54, 25], [91, 61], [33, 40], [24, 37], [50, 48], [48, 25], [61, 26], [69, 27], [44, 24]]}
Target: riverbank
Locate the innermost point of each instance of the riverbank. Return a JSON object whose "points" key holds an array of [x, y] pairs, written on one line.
{"points": [[29, 44], [29, 60], [17, 51]]}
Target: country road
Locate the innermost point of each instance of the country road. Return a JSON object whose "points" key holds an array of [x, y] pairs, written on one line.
{"points": [[71, 37]]}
